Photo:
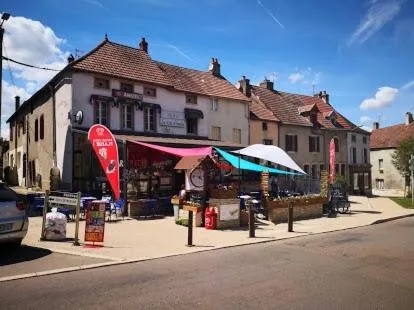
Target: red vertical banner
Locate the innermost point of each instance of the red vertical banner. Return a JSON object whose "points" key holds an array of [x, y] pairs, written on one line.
{"points": [[105, 147], [331, 161]]}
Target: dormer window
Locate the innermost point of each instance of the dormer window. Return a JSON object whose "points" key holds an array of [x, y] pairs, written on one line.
{"points": [[313, 118]]}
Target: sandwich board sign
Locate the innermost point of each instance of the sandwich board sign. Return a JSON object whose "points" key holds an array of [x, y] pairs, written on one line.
{"points": [[95, 222]]}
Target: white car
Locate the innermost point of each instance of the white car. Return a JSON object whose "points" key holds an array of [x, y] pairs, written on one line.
{"points": [[14, 221]]}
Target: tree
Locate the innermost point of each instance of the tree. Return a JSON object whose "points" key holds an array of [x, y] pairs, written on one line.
{"points": [[402, 155]]}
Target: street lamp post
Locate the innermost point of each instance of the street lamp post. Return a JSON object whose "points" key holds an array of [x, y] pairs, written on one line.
{"points": [[4, 17]]}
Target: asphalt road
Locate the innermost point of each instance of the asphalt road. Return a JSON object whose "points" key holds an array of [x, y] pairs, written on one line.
{"points": [[29, 259], [365, 268]]}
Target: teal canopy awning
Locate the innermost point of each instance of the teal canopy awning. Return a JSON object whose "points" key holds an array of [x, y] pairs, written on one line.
{"points": [[247, 165]]}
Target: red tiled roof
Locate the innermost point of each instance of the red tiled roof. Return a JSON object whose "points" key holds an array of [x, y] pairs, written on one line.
{"points": [[131, 63], [200, 82], [390, 137], [307, 108], [261, 112], [122, 61], [283, 105], [326, 110]]}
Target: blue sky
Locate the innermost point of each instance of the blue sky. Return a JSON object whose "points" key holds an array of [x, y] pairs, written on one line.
{"points": [[360, 52]]}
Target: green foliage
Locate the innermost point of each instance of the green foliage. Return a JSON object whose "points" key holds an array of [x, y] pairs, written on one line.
{"points": [[403, 202], [402, 154], [182, 221]]}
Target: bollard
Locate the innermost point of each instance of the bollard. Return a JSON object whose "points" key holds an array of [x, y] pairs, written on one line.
{"points": [[190, 228], [251, 221], [290, 217]]}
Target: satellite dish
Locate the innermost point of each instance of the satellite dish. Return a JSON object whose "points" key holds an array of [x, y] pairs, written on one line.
{"points": [[79, 117]]}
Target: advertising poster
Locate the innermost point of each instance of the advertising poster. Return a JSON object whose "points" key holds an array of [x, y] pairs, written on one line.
{"points": [[229, 212], [95, 222], [106, 149]]}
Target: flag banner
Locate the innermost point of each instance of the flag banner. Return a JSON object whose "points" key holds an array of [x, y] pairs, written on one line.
{"points": [[331, 161], [105, 147]]}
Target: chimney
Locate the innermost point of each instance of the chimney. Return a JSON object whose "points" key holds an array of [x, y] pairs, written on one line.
{"points": [[17, 102], [266, 84], [143, 45], [245, 86], [408, 118], [71, 58], [214, 67], [324, 96], [375, 125]]}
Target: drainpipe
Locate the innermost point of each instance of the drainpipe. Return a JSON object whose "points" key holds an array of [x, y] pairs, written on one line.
{"points": [[52, 92]]}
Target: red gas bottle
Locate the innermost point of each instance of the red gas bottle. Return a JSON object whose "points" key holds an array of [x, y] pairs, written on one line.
{"points": [[211, 218]]}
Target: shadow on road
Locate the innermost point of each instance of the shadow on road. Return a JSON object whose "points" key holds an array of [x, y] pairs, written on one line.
{"points": [[9, 256]]}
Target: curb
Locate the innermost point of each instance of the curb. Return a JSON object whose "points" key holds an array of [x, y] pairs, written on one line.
{"points": [[115, 262], [392, 219]]}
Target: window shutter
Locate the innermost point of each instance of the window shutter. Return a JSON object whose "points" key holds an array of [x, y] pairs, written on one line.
{"points": [[296, 144]]}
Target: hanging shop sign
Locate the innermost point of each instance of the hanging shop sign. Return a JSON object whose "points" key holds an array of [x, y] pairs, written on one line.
{"points": [[105, 147], [95, 221], [172, 119], [126, 95]]}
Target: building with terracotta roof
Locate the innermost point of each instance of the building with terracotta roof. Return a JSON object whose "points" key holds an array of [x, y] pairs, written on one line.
{"points": [[386, 179], [305, 127], [138, 98]]}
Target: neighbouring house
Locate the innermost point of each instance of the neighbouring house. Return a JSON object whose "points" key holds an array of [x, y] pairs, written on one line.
{"points": [[138, 98], [264, 128], [304, 126], [386, 179]]}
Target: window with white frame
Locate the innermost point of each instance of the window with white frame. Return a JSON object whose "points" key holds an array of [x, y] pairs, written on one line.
{"points": [[381, 164], [291, 143], [150, 119], [237, 135], [127, 116], [379, 183], [214, 104], [314, 145], [101, 112], [216, 133]]}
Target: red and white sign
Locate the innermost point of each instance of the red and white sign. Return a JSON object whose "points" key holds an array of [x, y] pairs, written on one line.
{"points": [[106, 149], [332, 161], [95, 221]]}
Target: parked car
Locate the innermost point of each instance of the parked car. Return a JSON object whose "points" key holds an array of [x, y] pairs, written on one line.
{"points": [[14, 221]]}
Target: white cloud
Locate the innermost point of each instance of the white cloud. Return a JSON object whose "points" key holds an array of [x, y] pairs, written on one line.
{"points": [[408, 85], [378, 15], [179, 51], [8, 103], [367, 128], [384, 97], [365, 120], [296, 77], [306, 76], [30, 42]]}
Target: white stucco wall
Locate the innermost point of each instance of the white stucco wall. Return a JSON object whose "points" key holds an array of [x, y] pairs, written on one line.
{"points": [[393, 181], [360, 146], [230, 114], [63, 97]]}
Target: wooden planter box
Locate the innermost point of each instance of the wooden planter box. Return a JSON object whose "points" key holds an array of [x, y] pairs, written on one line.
{"points": [[303, 208], [223, 194]]}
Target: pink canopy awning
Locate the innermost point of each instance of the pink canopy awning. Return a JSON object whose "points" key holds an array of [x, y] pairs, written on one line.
{"points": [[180, 152]]}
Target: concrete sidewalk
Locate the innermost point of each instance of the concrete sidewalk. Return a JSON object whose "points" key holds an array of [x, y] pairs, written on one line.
{"points": [[132, 239]]}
